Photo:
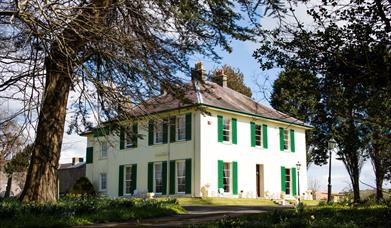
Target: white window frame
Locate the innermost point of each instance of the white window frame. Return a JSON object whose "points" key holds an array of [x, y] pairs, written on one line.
{"points": [[258, 133], [286, 140], [288, 183], [180, 128], [104, 150], [154, 176], [229, 177], [177, 176], [158, 125], [128, 136], [101, 182], [127, 180], [227, 128]]}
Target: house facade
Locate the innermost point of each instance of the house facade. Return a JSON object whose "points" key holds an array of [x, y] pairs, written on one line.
{"points": [[222, 145]]}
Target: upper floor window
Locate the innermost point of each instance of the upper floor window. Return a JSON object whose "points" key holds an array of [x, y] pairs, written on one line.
{"points": [[103, 182], [258, 135], [128, 179], [104, 148], [130, 137], [180, 128], [226, 129], [158, 131], [286, 139]]}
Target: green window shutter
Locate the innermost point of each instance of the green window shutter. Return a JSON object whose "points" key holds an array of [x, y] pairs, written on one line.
{"points": [[292, 138], [121, 180], [283, 180], [220, 181], [234, 131], [172, 129], [188, 177], [150, 132], [122, 138], [281, 139], [220, 128], [172, 177], [188, 126], [265, 143], [135, 136], [150, 176], [134, 178], [235, 178], [252, 128], [164, 178], [89, 155], [165, 131], [294, 181]]}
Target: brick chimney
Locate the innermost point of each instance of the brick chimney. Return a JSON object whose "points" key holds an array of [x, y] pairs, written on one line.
{"points": [[197, 74], [76, 160], [221, 78]]}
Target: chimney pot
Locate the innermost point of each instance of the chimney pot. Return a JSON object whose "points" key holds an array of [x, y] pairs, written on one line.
{"points": [[76, 160], [197, 74], [221, 78]]}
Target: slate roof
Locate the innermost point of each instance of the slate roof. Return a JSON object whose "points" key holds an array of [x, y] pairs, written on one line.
{"points": [[70, 165], [213, 95]]}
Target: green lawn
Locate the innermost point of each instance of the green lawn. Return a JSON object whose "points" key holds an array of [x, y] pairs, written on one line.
{"points": [[82, 211], [223, 201], [326, 216]]}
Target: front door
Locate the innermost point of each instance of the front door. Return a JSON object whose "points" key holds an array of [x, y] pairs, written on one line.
{"points": [[259, 180]]}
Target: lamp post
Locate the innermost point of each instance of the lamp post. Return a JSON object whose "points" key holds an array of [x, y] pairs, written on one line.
{"points": [[298, 178], [331, 146]]}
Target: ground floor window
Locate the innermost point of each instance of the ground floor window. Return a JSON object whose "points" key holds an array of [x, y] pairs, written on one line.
{"points": [[227, 177], [128, 179], [288, 181], [180, 176], [158, 182], [103, 182]]}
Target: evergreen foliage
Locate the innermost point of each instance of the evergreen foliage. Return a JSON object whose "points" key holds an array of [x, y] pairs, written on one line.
{"points": [[235, 79]]}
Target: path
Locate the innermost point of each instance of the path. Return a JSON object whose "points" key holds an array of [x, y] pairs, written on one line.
{"points": [[194, 215]]}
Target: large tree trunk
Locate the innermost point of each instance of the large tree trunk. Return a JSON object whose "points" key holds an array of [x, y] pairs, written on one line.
{"points": [[356, 187], [379, 186], [378, 168], [8, 188], [41, 180]]}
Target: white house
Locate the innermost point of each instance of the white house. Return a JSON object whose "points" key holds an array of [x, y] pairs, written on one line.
{"points": [[222, 144]]}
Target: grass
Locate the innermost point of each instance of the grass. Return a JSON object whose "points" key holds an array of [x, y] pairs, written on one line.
{"points": [[326, 216], [82, 211], [224, 201]]}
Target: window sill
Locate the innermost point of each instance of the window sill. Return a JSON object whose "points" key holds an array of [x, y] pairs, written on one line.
{"points": [[103, 158]]}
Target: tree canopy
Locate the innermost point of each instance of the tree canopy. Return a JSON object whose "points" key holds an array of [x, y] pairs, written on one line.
{"points": [[235, 79], [348, 49]]}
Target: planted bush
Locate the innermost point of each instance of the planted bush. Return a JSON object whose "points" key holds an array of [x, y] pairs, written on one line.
{"points": [[83, 186]]}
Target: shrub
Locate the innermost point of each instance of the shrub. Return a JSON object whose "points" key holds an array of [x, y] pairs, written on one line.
{"points": [[83, 186]]}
